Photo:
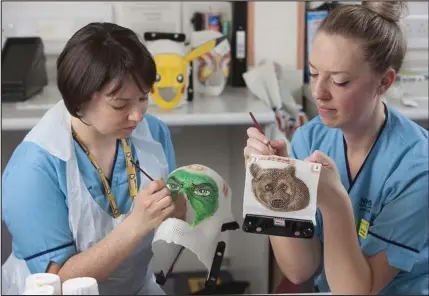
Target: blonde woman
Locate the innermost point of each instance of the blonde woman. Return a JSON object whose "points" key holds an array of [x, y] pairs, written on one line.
{"points": [[372, 218]]}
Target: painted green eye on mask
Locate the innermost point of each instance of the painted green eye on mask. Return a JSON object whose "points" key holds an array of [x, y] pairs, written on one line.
{"points": [[200, 189]]}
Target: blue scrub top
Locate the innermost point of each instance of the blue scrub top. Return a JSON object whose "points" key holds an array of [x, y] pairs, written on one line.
{"points": [[389, 195], [36, 211]]}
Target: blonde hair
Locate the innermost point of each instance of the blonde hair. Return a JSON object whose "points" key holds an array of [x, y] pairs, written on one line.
{"points": [[376, 25]]}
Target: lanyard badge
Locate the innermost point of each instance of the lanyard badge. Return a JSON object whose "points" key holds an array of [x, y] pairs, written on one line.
{"points": [[131, 173]]}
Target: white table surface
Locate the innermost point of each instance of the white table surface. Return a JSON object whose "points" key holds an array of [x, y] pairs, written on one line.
{"points": [[232, 107], [418, 92]]}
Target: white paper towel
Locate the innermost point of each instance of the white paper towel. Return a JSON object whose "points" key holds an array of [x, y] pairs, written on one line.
{"points": [[41, 279], [281, 187], [208, 207], [43, 290], [80, 286]]}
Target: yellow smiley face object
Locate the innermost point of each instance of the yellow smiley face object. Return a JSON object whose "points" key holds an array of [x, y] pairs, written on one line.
{"points": [[171, 80], [172, 74]]}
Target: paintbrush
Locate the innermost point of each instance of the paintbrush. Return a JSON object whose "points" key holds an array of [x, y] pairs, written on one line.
{"points": [[258, 126], [141, 170]]}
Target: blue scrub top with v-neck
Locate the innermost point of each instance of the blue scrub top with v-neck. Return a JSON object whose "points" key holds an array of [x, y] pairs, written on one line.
{"points": [[389, 196], [36, 212]]}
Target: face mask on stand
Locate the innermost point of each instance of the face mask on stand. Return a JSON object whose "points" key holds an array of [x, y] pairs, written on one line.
{"points": [[208, 198], [211, 70]]}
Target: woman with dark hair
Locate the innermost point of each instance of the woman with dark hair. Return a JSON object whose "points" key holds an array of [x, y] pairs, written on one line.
{"points": [[71, 195], [371, 235]]}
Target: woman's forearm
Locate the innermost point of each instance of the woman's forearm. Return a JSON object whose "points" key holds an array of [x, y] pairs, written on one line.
{"points": [[100, 260], [346, 267], [298, 259]]}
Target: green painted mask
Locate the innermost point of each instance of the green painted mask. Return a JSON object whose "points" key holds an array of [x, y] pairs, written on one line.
{"points": [[200, 189], [208, 198]]}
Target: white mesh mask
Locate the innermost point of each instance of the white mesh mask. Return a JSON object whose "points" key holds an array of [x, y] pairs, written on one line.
{"points": [[208, 199], [211, 70]]}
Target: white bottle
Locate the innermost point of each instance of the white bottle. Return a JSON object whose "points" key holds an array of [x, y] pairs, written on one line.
{"points": [[38, 280], [43, 290], [81, 286]]}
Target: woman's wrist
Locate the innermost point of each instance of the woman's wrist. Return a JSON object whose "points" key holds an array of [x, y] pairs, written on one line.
{"points": [[135, 226], [333, 199]]}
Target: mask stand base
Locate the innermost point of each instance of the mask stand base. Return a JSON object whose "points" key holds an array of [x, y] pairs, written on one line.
{"points": [[277, 226], [214, 272]]}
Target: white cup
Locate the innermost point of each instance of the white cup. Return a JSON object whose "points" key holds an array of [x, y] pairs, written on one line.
{"points": [[38, 280], [80, 286], [43, 290]]}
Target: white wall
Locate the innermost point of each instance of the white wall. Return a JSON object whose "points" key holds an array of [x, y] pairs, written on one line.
{"points": [[416, 7], [416, 58], [276, 32], [276, 35]]}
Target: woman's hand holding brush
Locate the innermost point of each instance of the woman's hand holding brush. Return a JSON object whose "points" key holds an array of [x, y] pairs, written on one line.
{"points": [[152, 206], [258, 143], [179, 204]]}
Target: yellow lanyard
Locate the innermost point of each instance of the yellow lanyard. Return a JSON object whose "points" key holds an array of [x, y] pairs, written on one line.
{"points": [[131, 172]]}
